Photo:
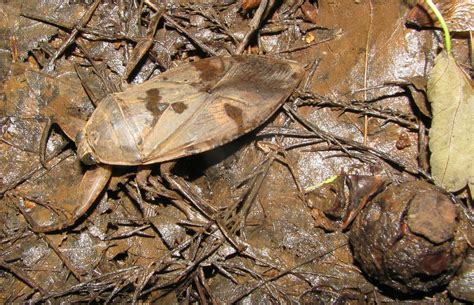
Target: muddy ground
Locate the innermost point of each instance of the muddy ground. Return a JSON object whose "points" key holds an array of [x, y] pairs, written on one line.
{"points": [[267, 218]]}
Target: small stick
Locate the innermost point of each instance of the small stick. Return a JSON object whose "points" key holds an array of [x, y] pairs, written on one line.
{"points": [[61, 256], [22, 276], [342, 143], [366, 69], [254, 25], [82, 22], [306, 46], [193, 38]]}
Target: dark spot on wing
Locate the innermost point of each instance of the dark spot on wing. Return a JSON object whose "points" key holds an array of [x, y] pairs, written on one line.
{"points": [[164, 78], [179, 107], [156, 109], [153, 95], [235, 114], [153, 104], [211, 71]]}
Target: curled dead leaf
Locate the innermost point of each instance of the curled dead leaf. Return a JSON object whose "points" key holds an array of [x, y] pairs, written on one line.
{"points": [[417, 88]]}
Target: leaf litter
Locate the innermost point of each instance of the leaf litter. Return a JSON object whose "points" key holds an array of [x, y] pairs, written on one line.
{"points": [[238, 224]]}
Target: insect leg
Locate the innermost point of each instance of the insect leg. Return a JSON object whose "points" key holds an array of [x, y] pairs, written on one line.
{"points": [[44, 140], [92, 184], [144, 171], [71, 126]]}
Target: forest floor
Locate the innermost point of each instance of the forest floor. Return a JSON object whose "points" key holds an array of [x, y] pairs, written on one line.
{"points": [[273, 217]]}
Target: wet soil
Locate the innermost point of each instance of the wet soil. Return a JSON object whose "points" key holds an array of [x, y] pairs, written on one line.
{"points": [[293, 212]]}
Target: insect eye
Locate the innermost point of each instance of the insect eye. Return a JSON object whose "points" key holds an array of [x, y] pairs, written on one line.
{"points": [[88, 159]]}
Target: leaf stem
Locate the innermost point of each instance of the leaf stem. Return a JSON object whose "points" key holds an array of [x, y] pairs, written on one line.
{"points": [[444, 26]]}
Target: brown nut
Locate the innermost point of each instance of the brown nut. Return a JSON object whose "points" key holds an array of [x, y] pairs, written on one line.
{"points": [[406, 238]]}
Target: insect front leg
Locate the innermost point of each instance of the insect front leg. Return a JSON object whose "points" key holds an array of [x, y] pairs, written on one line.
{"points": [[44, 141], [93, 183], [69, 125], [143, 173]]}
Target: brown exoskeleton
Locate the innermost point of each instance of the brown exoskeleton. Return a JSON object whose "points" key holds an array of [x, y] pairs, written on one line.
{"points": [[193, 108]]}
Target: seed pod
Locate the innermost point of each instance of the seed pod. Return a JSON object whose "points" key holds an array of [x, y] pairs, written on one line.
{"points": [[407, 238]]}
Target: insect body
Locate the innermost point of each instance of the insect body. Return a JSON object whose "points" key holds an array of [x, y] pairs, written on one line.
{"points": [[191, 109], [184, 111]]}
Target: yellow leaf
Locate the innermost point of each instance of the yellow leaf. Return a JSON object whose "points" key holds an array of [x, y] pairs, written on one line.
{"points": [[451, 141]]}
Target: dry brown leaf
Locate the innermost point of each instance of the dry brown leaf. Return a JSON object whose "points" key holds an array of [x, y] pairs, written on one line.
{"points": [[417, 88], [458, 14], [451, 141]]}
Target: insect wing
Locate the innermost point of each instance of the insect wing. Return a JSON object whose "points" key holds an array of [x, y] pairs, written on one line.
{"points": [[250, 91]]}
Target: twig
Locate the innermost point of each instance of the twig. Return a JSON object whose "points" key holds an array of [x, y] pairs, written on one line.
{"points": [[366, 69], [193, 38], [63, 258], [254, 25], [82, 22], [408, 121], [342, 142], [180, 185], [286, 272], [298, 48], [22, 276], [126, 234]]}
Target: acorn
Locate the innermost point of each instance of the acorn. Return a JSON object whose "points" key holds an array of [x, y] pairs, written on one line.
{"points": [[458, 14]]}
